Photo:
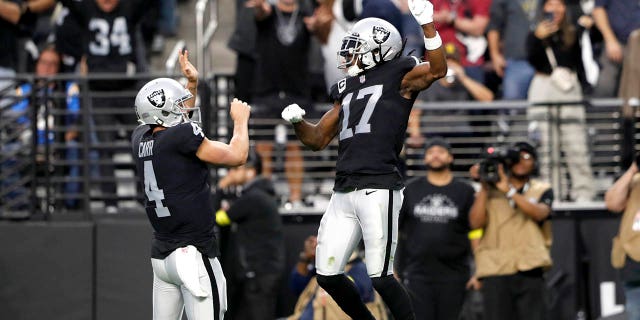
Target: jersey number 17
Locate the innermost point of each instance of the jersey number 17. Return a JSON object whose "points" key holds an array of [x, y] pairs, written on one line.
{"points": [[363, 126]]}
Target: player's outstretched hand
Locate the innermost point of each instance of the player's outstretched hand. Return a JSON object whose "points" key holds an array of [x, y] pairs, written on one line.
{"points": [[240, 110], [422, 11], [293, 113], [188, 70]]}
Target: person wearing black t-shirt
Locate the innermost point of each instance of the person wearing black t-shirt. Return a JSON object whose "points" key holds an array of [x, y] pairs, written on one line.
{"points": [[433, 246], [171, 153], [369, 118], [281, 77], [108, 39], [17, 17], [253, 256]]}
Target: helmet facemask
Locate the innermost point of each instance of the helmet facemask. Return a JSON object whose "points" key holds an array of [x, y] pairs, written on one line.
{"points": [[189, 114], [357, 54]]}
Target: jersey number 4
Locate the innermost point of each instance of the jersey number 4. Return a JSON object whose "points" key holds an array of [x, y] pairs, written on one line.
{"points": [[154, 193], [363, 126]]}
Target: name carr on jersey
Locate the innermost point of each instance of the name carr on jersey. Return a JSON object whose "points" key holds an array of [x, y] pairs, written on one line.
{"points": [[145, 149]]}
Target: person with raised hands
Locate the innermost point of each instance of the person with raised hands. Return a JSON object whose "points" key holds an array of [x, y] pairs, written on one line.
{"points": [[369, 117]]}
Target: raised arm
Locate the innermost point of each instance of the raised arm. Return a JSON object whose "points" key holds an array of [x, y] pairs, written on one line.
{"points": [[472, 26], [613, 46], [315, 136], [478, 91], [478, 212], [424, 74], [616, 197], [191, 73], [262, 8], [10, 11], [235, 152]]}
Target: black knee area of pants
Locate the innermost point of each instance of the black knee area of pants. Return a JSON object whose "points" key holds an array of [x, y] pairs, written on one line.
{"points": [[395, 296], [329, 282], [346, 295], [381, 283]]}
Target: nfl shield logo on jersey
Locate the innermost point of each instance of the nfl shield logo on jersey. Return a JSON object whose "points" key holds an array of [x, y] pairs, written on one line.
{"points": [[157, 98], [362, 79], [380, 34]]}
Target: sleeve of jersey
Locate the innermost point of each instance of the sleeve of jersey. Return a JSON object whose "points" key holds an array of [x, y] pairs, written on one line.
{"points": [[189, 137], [78, 8], [336, 94], [547, 197], [409, 62]]}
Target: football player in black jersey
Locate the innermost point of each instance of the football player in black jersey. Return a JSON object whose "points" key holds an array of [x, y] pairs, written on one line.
{"points": [[171, 154], [369, 117]]}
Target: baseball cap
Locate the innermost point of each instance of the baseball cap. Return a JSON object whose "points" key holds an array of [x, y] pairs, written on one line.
{"points": [[526, 147], [254, 161], [437, 141]]}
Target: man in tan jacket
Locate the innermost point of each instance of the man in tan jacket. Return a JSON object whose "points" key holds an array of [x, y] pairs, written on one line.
{"points": [[624, 196], [514, 250]]}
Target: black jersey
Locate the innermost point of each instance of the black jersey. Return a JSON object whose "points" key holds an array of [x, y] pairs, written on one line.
{"points": [[9, 43], [175, 183], [373, 121], [433, 230], [109, 42]]}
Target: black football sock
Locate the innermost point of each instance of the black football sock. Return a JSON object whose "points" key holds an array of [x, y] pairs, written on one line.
{"points": [[344, 292], [395, 296]]}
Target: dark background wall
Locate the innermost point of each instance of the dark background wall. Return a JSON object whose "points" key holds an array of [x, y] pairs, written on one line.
{"points": [[100, 270]]}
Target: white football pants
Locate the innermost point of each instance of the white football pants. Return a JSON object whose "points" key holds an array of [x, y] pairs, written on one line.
{"points": [[184, 279], [369, 214]]}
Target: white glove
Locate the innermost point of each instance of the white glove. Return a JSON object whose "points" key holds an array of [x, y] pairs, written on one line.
{"points": [[293, 113], [422, 10], [187, 269]]}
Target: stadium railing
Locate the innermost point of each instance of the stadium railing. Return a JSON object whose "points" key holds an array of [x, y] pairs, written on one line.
{"points": [[36, 177]]}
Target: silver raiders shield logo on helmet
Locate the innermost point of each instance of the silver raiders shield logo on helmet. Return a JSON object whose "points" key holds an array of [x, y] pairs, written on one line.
{"points": [[380, 34]]}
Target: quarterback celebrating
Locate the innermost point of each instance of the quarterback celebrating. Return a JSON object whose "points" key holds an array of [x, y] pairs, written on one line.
{"points": [[369, 116], [171, 154]]}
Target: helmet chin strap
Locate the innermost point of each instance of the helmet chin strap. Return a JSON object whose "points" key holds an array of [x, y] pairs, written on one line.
{"points": [[354, 70]]}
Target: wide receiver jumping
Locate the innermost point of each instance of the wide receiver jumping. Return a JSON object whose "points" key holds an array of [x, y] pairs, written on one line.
{"points": [[369, 116]]}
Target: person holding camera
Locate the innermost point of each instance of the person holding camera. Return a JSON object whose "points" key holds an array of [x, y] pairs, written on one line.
{"points": [[624, 196], [514, 250], [554, 52]]}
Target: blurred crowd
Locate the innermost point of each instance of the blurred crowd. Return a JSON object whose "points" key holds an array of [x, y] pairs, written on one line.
{"points": [[549, 52], [554, 54]]}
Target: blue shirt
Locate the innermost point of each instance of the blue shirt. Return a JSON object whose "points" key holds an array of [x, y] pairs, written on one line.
{"points": [[21, 108], [624, 16]]}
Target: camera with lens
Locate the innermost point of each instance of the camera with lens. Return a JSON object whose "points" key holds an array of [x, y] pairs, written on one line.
{"points": [[493, 158]]}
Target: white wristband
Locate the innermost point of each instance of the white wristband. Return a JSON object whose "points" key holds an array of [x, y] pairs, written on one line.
{"points": [[511, 192], [433, 43]]}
